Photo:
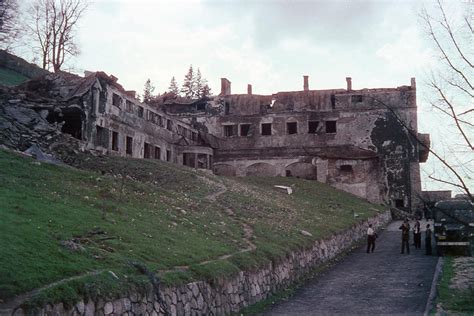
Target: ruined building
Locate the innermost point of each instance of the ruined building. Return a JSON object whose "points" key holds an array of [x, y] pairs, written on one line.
{"points": [[361, 141]]}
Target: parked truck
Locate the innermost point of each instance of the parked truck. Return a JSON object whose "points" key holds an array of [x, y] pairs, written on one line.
{"points": [[454, 226]]}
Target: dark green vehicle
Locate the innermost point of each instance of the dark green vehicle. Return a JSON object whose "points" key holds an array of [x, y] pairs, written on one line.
{"points": [[454, 226]]}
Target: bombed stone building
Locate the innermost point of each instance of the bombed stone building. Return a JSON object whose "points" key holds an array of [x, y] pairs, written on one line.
{"points": [[361, 141], [105, 118]]}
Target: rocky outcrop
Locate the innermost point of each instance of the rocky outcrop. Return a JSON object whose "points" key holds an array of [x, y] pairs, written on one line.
{"points": [[223, 296]]}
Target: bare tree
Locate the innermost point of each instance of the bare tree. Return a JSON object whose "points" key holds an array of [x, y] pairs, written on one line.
{"points": [[452, 88], [9, 23], [53, 25]]}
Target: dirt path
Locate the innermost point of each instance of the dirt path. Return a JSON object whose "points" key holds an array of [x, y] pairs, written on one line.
{"points": [[381, 283], [248, 231], [7, 308]]}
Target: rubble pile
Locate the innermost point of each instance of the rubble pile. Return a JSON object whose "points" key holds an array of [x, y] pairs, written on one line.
{"points": [[23, 123]]}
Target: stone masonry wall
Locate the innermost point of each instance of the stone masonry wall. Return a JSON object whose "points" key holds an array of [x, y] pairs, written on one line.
{"points": [[225, 295]]}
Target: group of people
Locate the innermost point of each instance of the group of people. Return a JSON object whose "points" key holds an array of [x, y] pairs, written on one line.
{"points": [[405, 228]]}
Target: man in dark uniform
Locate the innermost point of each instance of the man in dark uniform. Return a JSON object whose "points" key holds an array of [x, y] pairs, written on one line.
{"points": [[417, 234], [428, 239], [405, 227]]}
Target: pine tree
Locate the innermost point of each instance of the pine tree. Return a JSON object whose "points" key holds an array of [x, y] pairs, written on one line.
{"points": [[148, 91], [198, 85], [173, 88], [189, 85], [206, 90]]}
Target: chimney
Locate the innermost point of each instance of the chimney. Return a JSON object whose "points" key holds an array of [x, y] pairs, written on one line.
{"points": [[114, 79], [87, 73], [225, 86], [349, 83], [249, 89], [306, 84], [413, 83], [132, 93]]}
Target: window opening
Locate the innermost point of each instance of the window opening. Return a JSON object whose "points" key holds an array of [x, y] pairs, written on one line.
{"points": [[129, 145], [313, 127], [330, 126], [292, 128], [115, 141], [244, 129], [266, 129]]}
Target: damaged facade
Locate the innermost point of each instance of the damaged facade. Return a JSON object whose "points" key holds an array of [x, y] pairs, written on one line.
{"points": [[354, 140], [106, 118], [361, 141]]}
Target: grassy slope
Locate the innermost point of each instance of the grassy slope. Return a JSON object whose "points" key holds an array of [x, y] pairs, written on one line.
{"points": [[157, 214], [454, 300], [11, 78]]}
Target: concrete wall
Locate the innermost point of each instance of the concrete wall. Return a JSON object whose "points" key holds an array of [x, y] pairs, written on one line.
{"points": [[225, 296]]}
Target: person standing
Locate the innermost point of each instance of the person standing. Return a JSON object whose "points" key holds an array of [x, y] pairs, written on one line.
{"points": [[417, 234], [405, 227], [371, 236], [428, 239]]}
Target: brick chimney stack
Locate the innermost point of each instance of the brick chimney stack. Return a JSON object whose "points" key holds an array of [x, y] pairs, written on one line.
{"points": [[249, 89], [225, 86], [305, 84], [349, 83], [413, 83]]}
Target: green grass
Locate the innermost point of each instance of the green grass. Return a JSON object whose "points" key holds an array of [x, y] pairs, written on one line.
{"points": [[454, 300], [10, 78], [152, 213]]}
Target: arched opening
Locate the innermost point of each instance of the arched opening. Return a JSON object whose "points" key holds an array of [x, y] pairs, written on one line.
{"points": [[225, 170], [72, 118], [261, 169], [302, 170]]}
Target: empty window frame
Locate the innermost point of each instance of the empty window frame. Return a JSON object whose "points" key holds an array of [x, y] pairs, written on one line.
{"points": [[399, 203], [102, 137], [157, 152], [266, 129], [357, 98], [128, 106], [331, 127], [226, 108], [115, 145], [129, 145], [244, 129], [116, 100], [230, 130], [169, 125], [333, 101], [140, 111], [313, 127], [292, 128], [346, 168], [168, 155], [147, 151]]}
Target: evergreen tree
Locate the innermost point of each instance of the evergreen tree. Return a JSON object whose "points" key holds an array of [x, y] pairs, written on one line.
{"points": [[189, 85], [148, 91], [173, 88], [206, 90], [198, 85]]}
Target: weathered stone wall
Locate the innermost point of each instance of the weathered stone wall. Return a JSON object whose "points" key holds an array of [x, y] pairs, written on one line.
{"points": [[225, 295]]}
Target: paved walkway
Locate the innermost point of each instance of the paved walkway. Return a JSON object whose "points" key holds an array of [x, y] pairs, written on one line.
{"points": [[381, 283]]}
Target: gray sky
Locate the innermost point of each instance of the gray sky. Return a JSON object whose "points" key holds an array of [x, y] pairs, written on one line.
{"points": [[268, 43]]}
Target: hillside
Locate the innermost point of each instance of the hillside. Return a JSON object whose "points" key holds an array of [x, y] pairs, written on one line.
{"points": [[96, 224]]}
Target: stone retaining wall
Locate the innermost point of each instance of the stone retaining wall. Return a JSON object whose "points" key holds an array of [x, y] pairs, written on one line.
{"points": [[225, 295]]}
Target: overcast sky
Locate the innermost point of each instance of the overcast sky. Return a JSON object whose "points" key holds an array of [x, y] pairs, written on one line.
{"points": [[269, 44]]}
